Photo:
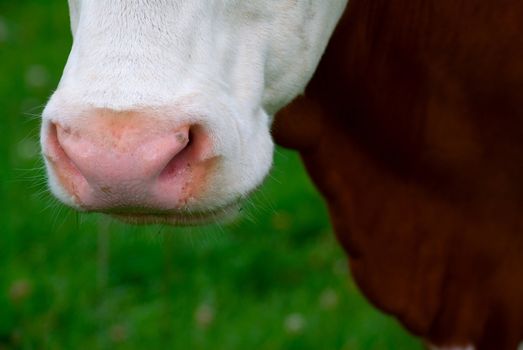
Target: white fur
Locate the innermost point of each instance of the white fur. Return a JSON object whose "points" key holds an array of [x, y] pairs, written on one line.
{"points": [[227, 64], [470, 347]]}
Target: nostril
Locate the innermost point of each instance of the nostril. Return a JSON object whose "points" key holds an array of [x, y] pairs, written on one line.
{"points": [[181, 160], [57, 134], [62, 169], [53, 149], [51, 146], [55, 152]]}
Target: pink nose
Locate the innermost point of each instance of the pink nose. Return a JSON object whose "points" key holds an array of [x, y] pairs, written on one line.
{"points": [[121, 162]]}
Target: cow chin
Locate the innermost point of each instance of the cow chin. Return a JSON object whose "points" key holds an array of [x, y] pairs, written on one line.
{"points": [[147, 167], [222, 214]]}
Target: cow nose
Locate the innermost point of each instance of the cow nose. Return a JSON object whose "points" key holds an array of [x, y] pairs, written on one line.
{"points": [[108, 164], [104, 161]]}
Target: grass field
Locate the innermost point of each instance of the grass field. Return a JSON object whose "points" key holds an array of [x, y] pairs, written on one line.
{"points": [[275, 279]]}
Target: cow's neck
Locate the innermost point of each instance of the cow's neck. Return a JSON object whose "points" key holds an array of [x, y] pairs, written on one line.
{"points": [[399, 150]]}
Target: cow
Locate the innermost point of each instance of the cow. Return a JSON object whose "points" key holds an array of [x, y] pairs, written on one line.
{"points": [[163, 111], [410, 128]]}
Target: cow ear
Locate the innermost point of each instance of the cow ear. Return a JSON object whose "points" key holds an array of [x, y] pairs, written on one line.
{"points": [[298, 126]]}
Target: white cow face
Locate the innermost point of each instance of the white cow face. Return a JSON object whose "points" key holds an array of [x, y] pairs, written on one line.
{"points": [[164, 107]]}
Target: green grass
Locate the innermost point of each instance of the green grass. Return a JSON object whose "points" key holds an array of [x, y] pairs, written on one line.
{"points": [[275, 279]]}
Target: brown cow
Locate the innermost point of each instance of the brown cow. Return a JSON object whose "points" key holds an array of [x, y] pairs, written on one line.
{"points": [[412, 128]]}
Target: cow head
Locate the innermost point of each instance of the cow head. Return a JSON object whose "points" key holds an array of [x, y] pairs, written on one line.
{"points": [[164, 108]]}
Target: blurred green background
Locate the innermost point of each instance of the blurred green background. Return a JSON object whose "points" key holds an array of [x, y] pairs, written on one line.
{"points": [[275, 279]]}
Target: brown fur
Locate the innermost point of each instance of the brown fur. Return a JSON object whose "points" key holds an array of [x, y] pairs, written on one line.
{"points": [[412, 128]]}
